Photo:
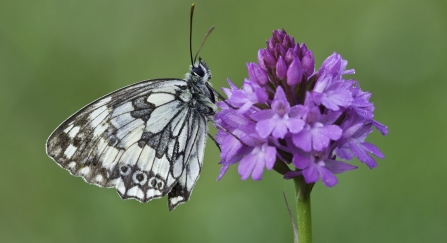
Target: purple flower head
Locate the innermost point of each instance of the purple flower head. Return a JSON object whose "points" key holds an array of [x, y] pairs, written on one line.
{"points": [[287, 114]]}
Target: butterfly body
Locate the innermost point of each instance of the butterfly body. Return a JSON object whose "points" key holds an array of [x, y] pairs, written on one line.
{"points": [[147, 140]]}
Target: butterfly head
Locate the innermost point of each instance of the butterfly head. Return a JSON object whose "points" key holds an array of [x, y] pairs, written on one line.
{"points": [[199, 72]]}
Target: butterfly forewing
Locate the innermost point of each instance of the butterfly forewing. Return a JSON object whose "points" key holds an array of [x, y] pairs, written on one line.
{"points": [[147, 140]]}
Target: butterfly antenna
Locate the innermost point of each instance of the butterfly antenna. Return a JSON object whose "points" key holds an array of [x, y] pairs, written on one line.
{"points": [[203, 42], [190, 33]]}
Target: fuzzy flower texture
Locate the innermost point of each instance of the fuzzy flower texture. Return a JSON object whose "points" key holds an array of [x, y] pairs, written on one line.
{"points": [[289, 115]]}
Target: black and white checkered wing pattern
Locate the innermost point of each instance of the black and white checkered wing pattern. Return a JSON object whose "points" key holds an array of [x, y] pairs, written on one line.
{"points": [[146, 140]]}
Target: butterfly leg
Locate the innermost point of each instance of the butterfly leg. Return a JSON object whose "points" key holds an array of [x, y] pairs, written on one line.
{"points": [[215, 142], [223, 99], [224, 129]]}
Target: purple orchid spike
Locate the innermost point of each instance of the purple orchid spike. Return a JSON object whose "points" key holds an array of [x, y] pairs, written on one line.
{"points": [[289, 114]]}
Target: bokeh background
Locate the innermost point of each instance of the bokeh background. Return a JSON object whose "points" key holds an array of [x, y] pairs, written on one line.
{"points": [[58, 55]]}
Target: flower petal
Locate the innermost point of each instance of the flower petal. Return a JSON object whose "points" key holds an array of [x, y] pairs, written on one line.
{"points": [[300, 161], [373, 149], [294, 72], [362, 155], [261, 95], [281, 68], [265, 127], [223, 170], [261, 59], [382, 128], [256, 74], [327, 177], [344, 153], [331, 131], [295, 125], [337, 167], [245, 107], [311, 174], [321, 135], [258, 169], [280, 129], [246, 166], [308, 63], [269, 156], [303, 139], [280, 101], [262, 115]]}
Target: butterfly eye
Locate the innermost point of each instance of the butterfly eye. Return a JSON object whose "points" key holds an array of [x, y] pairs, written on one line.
{"points": [[198, 71]]}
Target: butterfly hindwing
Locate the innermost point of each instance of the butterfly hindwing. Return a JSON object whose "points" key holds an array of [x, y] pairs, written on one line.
{"points": [[145, 139], [195, 152]]}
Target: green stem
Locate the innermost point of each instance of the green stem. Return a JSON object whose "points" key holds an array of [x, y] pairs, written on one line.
{"points": [[303, 211]]}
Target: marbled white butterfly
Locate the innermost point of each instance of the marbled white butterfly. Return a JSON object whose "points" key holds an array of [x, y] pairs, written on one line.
{"points": [[146, 140]]}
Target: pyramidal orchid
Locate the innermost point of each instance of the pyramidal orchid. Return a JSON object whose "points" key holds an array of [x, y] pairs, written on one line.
{"points": [[301, 122]]}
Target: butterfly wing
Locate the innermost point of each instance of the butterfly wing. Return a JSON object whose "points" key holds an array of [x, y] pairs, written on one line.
{"points": [[181, 192], [144, 139]]}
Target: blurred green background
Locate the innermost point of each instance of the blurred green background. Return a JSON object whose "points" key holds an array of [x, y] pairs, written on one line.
{"points": [[56, 56]]}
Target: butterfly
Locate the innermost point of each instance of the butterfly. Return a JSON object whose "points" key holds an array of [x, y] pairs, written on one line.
{"points": [[147, 139]]}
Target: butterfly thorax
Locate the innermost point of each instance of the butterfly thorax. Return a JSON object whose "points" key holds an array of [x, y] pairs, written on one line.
{"points": [[202, 96]]}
